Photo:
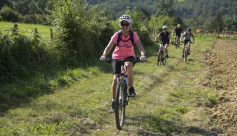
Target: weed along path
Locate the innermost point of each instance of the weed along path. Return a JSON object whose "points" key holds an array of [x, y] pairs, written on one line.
{"points": [[174, 99]]}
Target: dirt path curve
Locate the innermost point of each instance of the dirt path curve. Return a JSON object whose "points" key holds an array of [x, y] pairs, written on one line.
{"points": [[222, 75]]}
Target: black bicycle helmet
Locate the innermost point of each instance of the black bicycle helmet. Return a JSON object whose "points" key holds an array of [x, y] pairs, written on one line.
{"points": [[189, 29]]}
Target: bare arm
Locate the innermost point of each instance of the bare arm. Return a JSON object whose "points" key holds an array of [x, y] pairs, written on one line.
{"points": [[109, 47], [140, 47], [169, 37], [181, 38], [157, 36], [173, 31], [193, 39]]}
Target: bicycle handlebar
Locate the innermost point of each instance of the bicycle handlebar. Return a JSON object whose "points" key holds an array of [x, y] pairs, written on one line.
{"points": [[136, 59]]}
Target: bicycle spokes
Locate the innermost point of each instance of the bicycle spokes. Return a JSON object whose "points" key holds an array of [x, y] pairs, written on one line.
{"points": [[120, 104]]}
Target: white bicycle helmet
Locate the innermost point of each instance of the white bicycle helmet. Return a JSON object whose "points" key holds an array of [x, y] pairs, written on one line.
{"points": [[165, 27], [127, 18]]}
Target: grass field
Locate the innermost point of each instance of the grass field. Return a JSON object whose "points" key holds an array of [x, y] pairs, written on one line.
{"points": [[170, 99], [44, 31]]}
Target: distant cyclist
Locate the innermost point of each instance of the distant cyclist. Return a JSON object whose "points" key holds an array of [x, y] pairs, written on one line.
{"points": [[165, 39], [178, 30], [124, 50], [187, 39]]}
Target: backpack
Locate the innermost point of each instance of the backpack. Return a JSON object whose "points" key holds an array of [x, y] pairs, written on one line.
{"points": [[191, 34], [120, 35]]}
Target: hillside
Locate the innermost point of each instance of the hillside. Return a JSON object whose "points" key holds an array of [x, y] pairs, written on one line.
{"points": [[204, 8], [183, 8]]}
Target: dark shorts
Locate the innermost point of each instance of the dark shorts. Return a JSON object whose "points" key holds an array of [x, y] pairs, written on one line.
{"points": [[164, 43], [116, 66], [186, 41], [178, 35]]}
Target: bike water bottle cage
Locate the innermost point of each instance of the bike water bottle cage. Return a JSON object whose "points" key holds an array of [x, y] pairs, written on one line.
{"points": [[120, 37]]}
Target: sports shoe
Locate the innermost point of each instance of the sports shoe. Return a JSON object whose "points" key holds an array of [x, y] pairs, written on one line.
{"points": [[167, 56], [132, 92], [112, 107], [182, 56]]}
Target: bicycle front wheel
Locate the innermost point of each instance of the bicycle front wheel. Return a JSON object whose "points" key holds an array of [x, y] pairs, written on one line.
{"points": [[185, 55], [159, 58], [120, 104], [164, 59], [176, 43]]}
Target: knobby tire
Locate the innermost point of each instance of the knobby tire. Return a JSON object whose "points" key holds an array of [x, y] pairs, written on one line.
{"points": [[176, 43], [164, 59], [185, 55], [159, 58], [120, 104]]}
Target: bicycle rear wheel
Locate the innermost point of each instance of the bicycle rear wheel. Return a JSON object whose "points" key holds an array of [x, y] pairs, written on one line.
{"points": [[120, 104]]}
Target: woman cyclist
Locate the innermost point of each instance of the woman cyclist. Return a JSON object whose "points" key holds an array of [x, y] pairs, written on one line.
{"points": [[165, 39], [178, 30], [124, 50], [187, 39]]}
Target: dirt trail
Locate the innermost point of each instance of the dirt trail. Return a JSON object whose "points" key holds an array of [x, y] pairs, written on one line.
{"points": [[222, 75]]}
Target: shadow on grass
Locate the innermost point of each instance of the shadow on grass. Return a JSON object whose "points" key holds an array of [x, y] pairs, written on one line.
{"points": [[155, 125], [22, 89]]}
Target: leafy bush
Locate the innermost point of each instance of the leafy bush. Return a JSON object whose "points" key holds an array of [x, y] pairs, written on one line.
{"points": [[7, 14], [157, 23], [139, 27], [81, 34], [37, 19], [20, 56]]}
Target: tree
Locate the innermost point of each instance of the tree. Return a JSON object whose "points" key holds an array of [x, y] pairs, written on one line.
{"points": [[178, 20], [217, 22], [164, 7], [5, 2]]}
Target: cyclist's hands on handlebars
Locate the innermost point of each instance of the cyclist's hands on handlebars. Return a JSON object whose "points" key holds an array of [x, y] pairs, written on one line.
{"points": [[143, 58], [103, 58]]}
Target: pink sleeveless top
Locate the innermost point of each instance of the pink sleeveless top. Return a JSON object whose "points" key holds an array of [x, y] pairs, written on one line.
{"points": [[124, 49]]}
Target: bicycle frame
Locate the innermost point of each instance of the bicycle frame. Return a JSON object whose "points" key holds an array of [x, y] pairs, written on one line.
{"points": [[122, 74], [121, 99], [186, 49]]}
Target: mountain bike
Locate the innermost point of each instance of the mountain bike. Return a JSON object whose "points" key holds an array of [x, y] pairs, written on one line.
{"points": [[176, 42], [161, 56], [121, 99], [186, 52]]}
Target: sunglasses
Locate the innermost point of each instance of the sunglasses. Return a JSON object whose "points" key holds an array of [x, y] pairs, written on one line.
{"points": [[164, 29], [127, 24]]}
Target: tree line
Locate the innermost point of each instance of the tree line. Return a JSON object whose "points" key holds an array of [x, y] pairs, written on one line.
{"points": [[198, 14]]}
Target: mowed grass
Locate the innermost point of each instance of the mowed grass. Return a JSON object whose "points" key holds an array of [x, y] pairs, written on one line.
{"points": [[27, 29], [167, 97]]}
